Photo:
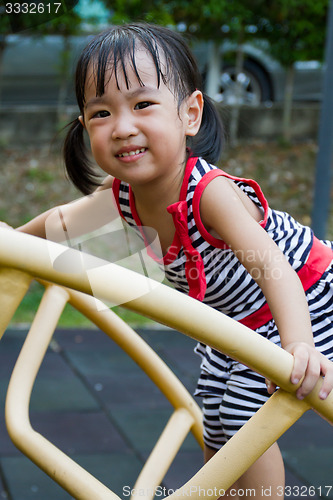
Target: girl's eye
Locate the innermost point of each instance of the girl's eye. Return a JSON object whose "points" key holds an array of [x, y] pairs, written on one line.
{"points": [[101, 114], [143, 105]]}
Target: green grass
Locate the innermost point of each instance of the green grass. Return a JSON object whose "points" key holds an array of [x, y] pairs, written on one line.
{"points": [[70, 316]]}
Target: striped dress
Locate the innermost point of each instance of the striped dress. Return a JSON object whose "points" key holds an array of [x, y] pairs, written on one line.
{"points": [[204, 267]]}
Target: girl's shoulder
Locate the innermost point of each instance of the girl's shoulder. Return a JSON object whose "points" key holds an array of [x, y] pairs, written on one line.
{"points": [[204, 174], [211, 186]]}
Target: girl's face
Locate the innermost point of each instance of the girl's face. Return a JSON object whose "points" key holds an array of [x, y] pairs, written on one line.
{"points": [[137, 133]]}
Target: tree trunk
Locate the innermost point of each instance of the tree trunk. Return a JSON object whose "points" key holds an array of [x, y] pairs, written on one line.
{"points": [[287, 103], [213, 69], [235, 109]]}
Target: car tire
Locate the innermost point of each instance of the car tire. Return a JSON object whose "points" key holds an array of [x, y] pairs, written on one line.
{"points": [[255, 86]]}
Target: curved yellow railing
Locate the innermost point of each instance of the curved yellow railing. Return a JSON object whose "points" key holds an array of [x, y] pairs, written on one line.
{"points": [[24, 257]]}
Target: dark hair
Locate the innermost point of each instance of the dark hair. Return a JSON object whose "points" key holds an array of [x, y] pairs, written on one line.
{"points": [[110, 51]]}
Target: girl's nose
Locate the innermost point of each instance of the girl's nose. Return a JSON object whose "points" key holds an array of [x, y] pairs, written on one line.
{"points": [[124, 127]]}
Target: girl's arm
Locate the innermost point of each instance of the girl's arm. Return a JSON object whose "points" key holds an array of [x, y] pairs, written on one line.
{"points": [[225, 210], [81, 216]]}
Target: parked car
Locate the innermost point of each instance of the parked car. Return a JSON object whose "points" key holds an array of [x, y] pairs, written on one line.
{"points": [[31, 73], [262, 79]]}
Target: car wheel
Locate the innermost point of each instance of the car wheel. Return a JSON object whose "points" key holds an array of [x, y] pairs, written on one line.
{"points": [[250, 88]]}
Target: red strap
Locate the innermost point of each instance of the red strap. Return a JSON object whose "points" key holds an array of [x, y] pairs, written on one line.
{"points": [[115, 190], [194, 266], [319, 259], [201, 186]]}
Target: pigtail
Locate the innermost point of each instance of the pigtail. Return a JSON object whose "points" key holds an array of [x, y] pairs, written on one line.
{"points": [[78, 166], [209, 140]]}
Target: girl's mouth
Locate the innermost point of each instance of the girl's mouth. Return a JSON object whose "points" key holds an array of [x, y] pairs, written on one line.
{"points": [[134, 152]]}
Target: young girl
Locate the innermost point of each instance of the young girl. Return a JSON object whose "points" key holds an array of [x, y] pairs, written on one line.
{"points": [[155, 134]]}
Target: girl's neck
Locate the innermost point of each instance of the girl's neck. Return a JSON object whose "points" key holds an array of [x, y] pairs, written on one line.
{"points": [[160, 193]]}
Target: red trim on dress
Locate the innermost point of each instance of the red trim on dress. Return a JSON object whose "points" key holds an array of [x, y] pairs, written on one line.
{"points": [[201, 186], [115, 190], [194, 266], [319, 258], [191, 163]]}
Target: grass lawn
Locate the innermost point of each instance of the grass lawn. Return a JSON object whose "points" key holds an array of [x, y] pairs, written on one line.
{"points": [[70, 316]]}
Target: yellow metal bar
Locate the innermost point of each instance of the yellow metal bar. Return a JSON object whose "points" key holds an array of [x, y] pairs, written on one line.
{"points": [[279, 413], [54, 462], [13, 286], [163, 454]]}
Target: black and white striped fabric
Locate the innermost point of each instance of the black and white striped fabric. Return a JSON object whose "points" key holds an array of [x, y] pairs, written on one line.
{"points": [[231, 289]]}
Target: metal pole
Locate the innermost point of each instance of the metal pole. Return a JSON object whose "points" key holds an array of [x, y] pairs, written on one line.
{"points": [[325, 140]]}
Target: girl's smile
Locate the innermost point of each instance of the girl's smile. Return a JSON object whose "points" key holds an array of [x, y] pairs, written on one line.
{"points": [[130, 153]]}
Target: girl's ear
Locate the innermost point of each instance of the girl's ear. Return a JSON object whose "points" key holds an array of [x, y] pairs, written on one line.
{"points": [[194, 108]]}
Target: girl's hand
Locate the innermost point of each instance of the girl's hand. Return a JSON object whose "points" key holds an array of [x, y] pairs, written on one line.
{"points": [[309, 366]]}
